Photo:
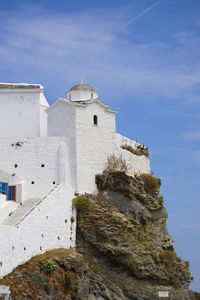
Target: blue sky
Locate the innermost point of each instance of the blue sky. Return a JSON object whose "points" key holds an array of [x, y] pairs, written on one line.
{"points": [[142, 56]]}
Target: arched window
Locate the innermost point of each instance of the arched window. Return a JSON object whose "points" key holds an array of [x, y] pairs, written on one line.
{"points": [[70, 97], [95, 120], [91, 95]]}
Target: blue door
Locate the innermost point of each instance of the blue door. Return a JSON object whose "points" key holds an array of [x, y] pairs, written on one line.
{"points": [[10, 193], [2, 187]]}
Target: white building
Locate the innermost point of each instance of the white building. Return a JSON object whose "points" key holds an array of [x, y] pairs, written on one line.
{"points": [[48, 153]]}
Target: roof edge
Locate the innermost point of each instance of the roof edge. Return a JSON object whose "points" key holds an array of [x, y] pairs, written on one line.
{"points": [[6, 85]]}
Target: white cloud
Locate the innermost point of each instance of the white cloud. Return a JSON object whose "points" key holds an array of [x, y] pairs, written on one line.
{"points": [[193, 136], [67, 46]]}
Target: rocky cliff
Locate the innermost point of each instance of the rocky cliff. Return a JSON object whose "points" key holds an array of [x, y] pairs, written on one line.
{"points": [[123, 250]]}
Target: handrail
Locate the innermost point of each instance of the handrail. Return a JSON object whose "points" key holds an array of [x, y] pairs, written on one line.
{"points": [[38, 203]]}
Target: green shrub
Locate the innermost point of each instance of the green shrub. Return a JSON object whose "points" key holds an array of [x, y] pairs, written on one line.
{"points": [[116, 164], [151, 183], [47, 266], [81, 203], [140, 150], [46, 287]]}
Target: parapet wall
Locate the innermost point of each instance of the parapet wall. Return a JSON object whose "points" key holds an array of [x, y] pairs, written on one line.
{"points": [[48, 226], [136, 164]]}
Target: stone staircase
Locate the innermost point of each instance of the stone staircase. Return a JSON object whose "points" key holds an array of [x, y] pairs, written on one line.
{"points": [[24, 210], [6, 209]]}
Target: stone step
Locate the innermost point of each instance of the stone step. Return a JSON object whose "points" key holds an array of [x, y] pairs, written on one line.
{"points": [[6, 209], [22, 209]]}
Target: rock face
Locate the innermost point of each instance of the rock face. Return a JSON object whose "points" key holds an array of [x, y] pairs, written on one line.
{"points": [[123, 250], [125, 231]]}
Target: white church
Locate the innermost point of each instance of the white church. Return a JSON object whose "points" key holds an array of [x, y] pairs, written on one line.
{"points": [[47, 154]]}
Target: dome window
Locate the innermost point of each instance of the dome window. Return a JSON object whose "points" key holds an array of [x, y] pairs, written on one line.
{"points": [[95, 120]]}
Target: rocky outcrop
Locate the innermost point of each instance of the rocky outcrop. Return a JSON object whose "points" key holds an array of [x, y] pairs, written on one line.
{"points": [[57, 275], [124, 250], [125, 228]]}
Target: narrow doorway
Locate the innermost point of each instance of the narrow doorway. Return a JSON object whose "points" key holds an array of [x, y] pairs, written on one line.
{"points": [[12, 193]]}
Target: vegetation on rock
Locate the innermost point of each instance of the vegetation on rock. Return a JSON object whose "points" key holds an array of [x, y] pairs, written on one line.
{"points": [[139, 150], [116, 164], [81, 203], [47, 266], [151, 183]]}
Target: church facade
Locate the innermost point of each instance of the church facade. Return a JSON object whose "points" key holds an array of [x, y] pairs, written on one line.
{"points": [[47, 154]]}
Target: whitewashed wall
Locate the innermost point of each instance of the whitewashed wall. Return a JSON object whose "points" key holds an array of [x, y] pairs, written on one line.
{"points": [[61, 122], [29, 158], [77, 95], [89, 144], [43, 121], [94, 143], [20, 112], [47, 227], [6, 208], [136, 164], [123, 140]]}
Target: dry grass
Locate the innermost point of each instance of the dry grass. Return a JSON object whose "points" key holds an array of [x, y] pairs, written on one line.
{"points": [[151, 183], [168, 256], [116, 164]]}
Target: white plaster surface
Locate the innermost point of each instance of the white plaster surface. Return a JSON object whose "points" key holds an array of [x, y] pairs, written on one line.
{"points": [[78, 95], [43, 229], [20, 112], [2, 199], [93, 143], [43, 121], [29, 158], [6, 208], [61, 122], [123, 140], [96, 142], [89, 144]]}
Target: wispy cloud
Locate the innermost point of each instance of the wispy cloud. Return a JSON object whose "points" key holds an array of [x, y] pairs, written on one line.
{"points": [[134, 19], [190, 115], [192, 136], [66, 46]]}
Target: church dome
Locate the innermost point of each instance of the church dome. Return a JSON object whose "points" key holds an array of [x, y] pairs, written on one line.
{"points": [[82, 86], [81, 92]]}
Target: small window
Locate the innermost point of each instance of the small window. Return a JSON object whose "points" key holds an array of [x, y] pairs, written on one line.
{"points": [[54, 182], [92, 95], [42, 165], [32, 182], [95, 120]]}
